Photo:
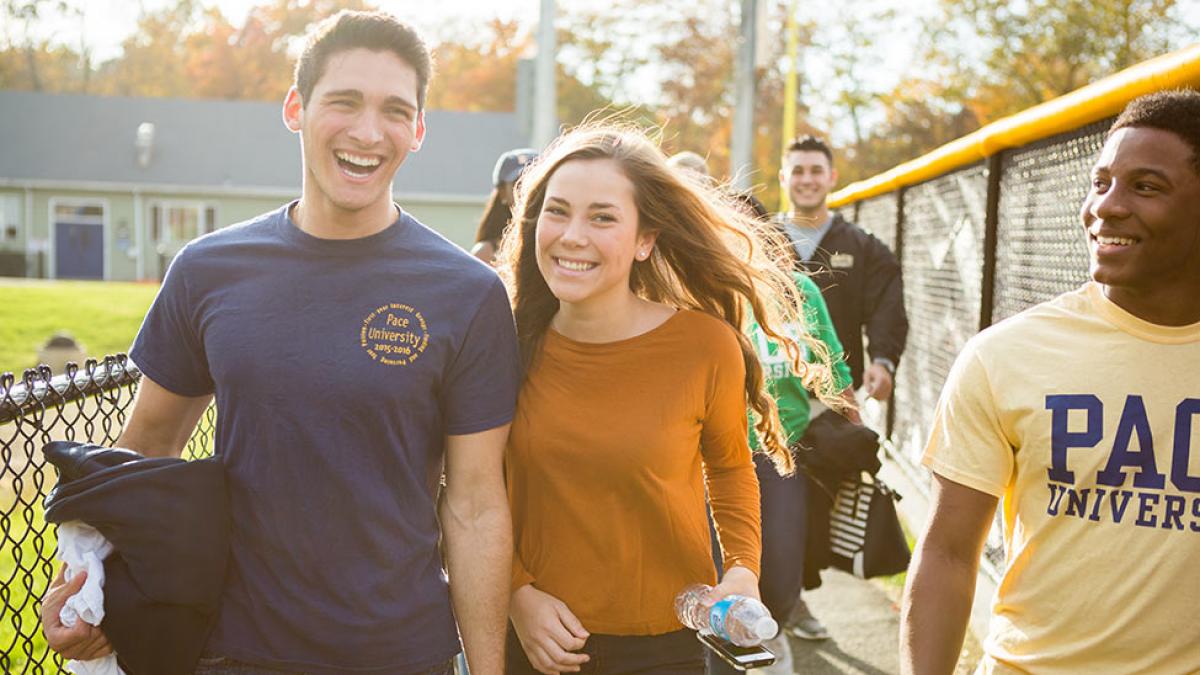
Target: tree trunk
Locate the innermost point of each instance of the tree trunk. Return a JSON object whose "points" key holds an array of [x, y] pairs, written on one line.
{"points": [[31, 64]]}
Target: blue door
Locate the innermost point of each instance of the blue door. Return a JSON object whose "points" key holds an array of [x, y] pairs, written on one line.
{"points": [[78, 250]]}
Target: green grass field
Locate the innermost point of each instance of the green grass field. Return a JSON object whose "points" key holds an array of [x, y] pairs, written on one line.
{"points": [[103, 315]]}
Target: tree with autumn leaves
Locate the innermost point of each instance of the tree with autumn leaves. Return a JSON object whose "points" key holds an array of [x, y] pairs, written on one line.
{"points": [[668, 65]]}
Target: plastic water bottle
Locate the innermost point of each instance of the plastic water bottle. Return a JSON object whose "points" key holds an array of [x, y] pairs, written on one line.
{"points": [[739, 619]]}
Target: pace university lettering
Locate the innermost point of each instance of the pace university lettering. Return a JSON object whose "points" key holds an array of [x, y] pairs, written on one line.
{"points": [[1130, 463]]}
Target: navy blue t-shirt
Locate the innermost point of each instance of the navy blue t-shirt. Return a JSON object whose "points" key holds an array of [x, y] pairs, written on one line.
{"points": [[338, 368]]}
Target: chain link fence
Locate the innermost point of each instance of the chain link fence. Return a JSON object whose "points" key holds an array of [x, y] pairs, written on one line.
{"points": [[977, 245], [1041, 251], [87, 404], [881, 217]]}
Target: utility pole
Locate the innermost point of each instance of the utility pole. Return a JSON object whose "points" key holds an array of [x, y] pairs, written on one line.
{"points": [[789, 91], [545, 113], [742, 142]]}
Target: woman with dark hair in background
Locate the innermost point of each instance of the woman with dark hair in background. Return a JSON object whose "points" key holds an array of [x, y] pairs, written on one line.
{"points": [[498, 212]]}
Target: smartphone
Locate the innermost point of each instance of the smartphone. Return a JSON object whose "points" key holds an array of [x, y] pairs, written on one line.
{"points": [[740, 658]]}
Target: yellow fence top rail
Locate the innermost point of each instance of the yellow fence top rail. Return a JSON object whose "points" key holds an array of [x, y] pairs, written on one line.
{"points": [[1085, 105]]}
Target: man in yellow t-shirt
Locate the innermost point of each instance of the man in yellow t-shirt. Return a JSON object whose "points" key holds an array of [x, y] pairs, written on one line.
{"points": [[1082, 415]]}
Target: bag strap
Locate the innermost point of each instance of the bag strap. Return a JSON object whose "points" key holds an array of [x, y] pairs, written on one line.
{"points": [[880, 486], [797, 452]]}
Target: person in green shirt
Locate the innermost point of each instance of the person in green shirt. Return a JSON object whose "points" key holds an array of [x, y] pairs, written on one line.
{"points": [[792, 397], [785, 498]]}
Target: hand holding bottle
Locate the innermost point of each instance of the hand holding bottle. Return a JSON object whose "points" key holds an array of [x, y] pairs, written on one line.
{"points": [[737, 580], [740, 619]]}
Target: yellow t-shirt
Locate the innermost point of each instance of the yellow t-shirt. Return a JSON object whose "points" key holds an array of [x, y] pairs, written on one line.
{"points": [[1085, 421]]}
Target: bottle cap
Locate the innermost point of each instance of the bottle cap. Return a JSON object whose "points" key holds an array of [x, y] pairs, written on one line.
{"points": [[766, 628]]}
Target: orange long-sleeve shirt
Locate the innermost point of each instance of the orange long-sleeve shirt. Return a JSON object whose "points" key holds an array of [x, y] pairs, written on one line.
{"points": [[608, 457]]}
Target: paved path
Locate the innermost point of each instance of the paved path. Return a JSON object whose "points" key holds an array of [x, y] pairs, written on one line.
{"points": [[864, 622]]}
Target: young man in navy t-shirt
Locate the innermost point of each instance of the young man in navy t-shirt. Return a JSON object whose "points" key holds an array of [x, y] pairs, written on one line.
{"points": [[351, 351]]}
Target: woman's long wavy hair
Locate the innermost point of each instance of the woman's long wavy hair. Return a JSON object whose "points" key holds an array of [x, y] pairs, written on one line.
{"points": [[707, 256], [495, 217]]}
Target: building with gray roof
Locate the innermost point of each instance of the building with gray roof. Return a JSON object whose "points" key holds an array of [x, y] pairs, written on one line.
{"points": [[111, 187]]}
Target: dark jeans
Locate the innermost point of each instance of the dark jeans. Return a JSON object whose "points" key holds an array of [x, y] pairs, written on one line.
{"points": [[784, 504], [220, 665], [677, 653], [784, 530]]}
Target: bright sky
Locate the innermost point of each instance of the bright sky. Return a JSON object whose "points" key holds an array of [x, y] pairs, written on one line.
{"points": [[107, 22]]}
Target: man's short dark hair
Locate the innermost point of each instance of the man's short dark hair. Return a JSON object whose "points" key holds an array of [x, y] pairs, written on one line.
{"points": [[810, 144], [375, 31], [1175, 110]]}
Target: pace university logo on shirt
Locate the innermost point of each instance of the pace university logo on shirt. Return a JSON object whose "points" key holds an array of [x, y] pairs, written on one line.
{"points": [[394, 334], [1131, 487]]}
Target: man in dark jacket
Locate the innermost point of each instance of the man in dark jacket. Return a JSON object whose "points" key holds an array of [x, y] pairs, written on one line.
{"points": [[858, 275], [859, 278]]}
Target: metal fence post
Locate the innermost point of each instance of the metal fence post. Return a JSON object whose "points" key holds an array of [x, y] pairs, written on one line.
{"points": [[991, 224], [899, 246]]}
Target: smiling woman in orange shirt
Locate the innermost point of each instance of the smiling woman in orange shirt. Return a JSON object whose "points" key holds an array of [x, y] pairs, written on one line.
{"points": [[630, 285]]}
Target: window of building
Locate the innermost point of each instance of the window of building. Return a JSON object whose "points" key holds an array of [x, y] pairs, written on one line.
{"points": [[177, 223], [10, 219], [174, 223], [82, 213]]}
